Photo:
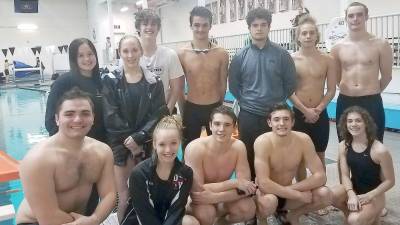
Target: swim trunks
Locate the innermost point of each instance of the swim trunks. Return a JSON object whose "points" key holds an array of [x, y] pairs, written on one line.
{"points": [[194, 117], [318, 131]]}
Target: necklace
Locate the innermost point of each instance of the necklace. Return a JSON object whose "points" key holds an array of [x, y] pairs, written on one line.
{"points": [[198, 51]]}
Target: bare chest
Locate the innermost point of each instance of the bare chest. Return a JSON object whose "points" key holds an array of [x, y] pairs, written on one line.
{"points": [[202, 66], [217, 169], [311, 70], [359, 55], [285, 160], [72, 173]]}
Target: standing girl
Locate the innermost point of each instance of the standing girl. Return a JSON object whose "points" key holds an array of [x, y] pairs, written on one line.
{"points": [[85, 75], [133, 103]]}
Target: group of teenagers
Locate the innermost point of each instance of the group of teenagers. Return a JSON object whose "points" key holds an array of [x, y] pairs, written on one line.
{"points": [[119, 132]]}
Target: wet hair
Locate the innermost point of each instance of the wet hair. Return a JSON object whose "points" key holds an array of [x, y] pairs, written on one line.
{"points": [[145, 16], [200, 11], [280, 106], [357, 4], [306, 19], [73, 51], [258, 13], [224, 110], [74, 93], [129, 37], [370, 126]]}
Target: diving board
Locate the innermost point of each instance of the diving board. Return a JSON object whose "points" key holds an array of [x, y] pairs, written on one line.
{"points": [[8, 168]]}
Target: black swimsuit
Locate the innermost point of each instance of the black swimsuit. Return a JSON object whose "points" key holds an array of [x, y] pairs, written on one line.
{"points": [[365, 173]]}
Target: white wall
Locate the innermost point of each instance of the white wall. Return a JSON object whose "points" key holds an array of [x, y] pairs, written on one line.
{"points": [[323, 11], [58, 21], [175, 21], [126, 21], [99, 25]]}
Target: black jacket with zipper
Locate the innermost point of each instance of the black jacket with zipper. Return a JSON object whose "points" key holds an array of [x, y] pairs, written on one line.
{"points": [[116, 97], [144, 190]]}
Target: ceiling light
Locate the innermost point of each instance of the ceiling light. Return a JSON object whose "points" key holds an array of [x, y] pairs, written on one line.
{"points": [[124, 9]]}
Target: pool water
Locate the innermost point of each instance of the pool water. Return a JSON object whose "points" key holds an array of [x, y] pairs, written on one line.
{"points": [[22, 115]]}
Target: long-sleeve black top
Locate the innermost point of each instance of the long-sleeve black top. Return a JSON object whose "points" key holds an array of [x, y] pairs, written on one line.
{"points": [[159, 202], [117, 107], [90, 85]]}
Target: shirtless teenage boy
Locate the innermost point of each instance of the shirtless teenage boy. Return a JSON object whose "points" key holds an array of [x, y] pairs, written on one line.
{"points": [[58, 174], [365, 67], [313, 70], [215, 196], [275, 170], [205, 66]]}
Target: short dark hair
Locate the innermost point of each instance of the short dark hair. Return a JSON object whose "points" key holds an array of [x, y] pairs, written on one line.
{"points": [[74, 93], [73, 56], [280, 106], [357, 4], [145, 16], [224, 110], [370, 126], [258, 13], [200, 11], [306, 19]]}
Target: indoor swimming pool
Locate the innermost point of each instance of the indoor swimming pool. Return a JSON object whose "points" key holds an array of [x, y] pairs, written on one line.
{"points": [[21, 125]]}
